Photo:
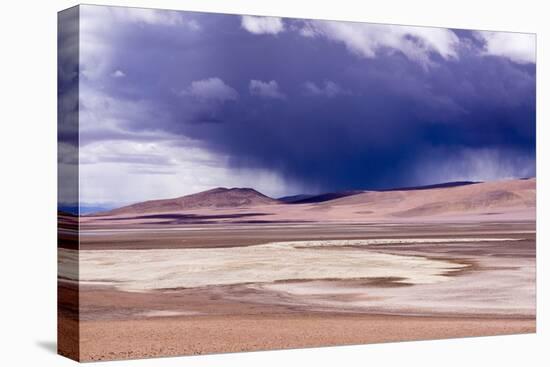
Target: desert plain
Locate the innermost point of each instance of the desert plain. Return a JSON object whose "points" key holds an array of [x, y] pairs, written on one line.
{"points": [[231, 270]]}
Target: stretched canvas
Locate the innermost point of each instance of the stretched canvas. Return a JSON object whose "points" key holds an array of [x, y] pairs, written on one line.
{"points": [[233, 183]]}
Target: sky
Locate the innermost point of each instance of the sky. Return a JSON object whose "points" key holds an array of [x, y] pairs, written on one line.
{"points": [[172, 103]]}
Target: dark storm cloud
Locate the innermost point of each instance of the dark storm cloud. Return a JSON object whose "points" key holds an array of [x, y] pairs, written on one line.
{"points": [[316, 109]]}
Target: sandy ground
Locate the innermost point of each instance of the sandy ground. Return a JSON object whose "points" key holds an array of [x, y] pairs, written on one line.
{"points": [[481, 282], [236, 333]]}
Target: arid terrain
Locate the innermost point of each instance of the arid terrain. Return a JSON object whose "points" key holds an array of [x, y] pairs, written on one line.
{"points": [[234, 270]]}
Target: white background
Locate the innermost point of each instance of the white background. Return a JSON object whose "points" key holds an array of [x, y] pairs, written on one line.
{"points": [[28, 181]]}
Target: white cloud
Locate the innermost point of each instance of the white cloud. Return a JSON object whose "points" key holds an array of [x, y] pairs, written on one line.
{"points": [[123, 172], [194, 25], [367, 40], [265, 89], [329, 89], [148, 16], [211, 89], [120, 164], [97, 13], [518, 47], [118, 74], [262, 25], [98, 24], [104, 117]]}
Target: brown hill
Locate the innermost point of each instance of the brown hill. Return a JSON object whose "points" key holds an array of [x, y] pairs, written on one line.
{"points": [[495, 196], [220, 197]]}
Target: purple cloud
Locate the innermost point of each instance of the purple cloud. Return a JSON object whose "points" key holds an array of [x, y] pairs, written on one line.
{"points": [[387, 97]]}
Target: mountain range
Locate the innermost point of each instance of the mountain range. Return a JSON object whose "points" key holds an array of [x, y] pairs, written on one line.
{"points": [[496, 198]]}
